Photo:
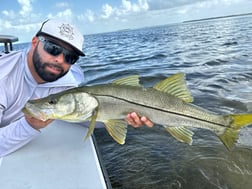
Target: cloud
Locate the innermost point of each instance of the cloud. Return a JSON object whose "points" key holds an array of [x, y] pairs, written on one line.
{"points": [[14, 22], [25, 10], [62, 5], [205, 5], [66, 14], [26, 7], [126, 8], [107, 11], [165, 4], [90, 15], [10, 14]]}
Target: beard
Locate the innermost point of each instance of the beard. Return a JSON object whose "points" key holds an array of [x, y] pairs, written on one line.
{"points": [[40, 68]]}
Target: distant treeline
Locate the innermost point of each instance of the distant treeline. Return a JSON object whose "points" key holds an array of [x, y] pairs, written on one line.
{"points": [[218, 17]]}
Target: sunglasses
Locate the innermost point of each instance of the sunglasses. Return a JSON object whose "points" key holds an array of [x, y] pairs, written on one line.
{"points": [[55, 50]]}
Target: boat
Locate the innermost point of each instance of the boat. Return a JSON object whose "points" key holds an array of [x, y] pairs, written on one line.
{"points": [[7, 40], [59, 158]]}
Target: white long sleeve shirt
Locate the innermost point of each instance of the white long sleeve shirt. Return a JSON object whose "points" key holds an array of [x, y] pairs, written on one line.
{"points": [[17, 86]]}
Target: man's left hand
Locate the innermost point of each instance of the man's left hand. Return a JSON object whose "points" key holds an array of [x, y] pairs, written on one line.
{"points": [[136, 121]]}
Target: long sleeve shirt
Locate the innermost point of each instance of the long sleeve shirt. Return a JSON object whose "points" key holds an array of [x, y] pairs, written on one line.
{"points": [[17, 86]]}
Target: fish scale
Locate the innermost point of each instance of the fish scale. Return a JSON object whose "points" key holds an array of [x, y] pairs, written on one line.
{"points": [[155, 100]]}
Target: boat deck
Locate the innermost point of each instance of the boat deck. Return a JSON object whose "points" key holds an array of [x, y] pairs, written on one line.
{"points": [[59, 158]]}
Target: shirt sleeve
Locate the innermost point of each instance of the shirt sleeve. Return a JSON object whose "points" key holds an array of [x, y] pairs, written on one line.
{"points": [[15, 135]]}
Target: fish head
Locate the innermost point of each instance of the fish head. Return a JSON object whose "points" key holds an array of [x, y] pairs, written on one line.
{"points": [[68, 106]]}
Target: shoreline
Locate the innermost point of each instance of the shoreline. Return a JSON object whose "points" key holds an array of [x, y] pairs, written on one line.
{"points": [[218, 17]]}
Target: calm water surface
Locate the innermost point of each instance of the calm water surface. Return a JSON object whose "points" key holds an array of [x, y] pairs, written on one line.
{"points": [[216, 56]]}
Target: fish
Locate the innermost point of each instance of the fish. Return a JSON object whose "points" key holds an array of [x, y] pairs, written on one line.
{"points": [[168, 103]]}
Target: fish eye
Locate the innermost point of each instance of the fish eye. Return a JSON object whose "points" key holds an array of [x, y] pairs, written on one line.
{"points": [[52, 101]]}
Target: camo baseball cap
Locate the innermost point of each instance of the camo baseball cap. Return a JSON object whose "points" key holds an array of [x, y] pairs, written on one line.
{"points": [[65, 32]]}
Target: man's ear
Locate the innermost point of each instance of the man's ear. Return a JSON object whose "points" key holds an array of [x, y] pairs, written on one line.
{"points": [[34, 41]]}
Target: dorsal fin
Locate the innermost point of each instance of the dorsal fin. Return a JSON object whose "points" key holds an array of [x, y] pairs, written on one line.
{"points": [[175, 85], [132, 80]]}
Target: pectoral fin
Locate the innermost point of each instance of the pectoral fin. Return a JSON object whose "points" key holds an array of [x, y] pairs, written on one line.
{"points": [[91, 125], [182, 134], [117, 130]]}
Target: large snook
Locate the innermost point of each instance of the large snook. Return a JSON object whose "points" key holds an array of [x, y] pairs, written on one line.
{"points": [[167, 103]]}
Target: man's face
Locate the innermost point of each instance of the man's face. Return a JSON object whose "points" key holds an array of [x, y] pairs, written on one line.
{"points": [[48, 71]]}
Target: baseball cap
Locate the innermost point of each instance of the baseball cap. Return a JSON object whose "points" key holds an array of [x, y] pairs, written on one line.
{"points": [[63, 31]]}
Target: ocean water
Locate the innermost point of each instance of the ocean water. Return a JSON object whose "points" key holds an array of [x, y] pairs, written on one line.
{"points": [[216, 56]]}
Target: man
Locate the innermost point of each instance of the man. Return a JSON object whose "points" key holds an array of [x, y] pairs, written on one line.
{"points": [[47, 67]]}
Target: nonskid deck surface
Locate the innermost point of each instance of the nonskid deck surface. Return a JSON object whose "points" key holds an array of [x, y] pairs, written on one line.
{"points": [[59, 158]]}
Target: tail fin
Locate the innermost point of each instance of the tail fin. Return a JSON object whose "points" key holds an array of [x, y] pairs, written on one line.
{"points": [[230, 136]]}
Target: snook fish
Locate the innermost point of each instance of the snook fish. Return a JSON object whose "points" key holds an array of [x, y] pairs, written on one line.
{"points": [[167, 103]]}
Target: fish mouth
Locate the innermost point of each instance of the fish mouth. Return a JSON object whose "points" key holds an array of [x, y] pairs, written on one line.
{"points": [[34, 112]]}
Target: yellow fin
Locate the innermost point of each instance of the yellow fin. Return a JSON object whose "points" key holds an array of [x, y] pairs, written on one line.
{"points": [[117, 130], [241, 120], [92, 124], [230, 136], [132, 80], [175, 85], [182, 134]]}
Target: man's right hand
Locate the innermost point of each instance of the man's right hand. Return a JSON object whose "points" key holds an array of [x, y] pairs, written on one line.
{"points": [[36, 123]]}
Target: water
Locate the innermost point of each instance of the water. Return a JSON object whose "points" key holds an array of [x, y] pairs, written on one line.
{"points": [[216, 56]]}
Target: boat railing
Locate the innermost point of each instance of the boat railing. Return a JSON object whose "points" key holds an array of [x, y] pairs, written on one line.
{"points": [[7, 40]]}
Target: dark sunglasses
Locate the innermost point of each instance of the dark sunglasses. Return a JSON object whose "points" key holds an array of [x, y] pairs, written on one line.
{"points": [[55, 50]]}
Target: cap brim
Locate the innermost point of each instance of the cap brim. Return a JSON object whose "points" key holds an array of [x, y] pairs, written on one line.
{"points": [[80, 53]]}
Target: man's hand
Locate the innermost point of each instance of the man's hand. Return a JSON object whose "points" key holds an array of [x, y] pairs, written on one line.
{"points": [[36, 123], [135, 121]]}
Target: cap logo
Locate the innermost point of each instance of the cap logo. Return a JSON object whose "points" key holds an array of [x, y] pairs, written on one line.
{"points": [[67, 31]]}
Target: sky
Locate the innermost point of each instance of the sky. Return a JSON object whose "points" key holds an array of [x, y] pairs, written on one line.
{"points": [[22, 18]]}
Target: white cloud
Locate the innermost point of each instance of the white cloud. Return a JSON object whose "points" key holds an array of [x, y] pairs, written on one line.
{"points": [[141, 5], [10, 14], [126, 8], [62, 5], [67, 14], [107, 11], [26, 7], [27, 27], [4, 23], [90, 15], [165, 4]]}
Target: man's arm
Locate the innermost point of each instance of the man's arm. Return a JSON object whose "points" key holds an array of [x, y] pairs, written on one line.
{"points": [[15, 135]]}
